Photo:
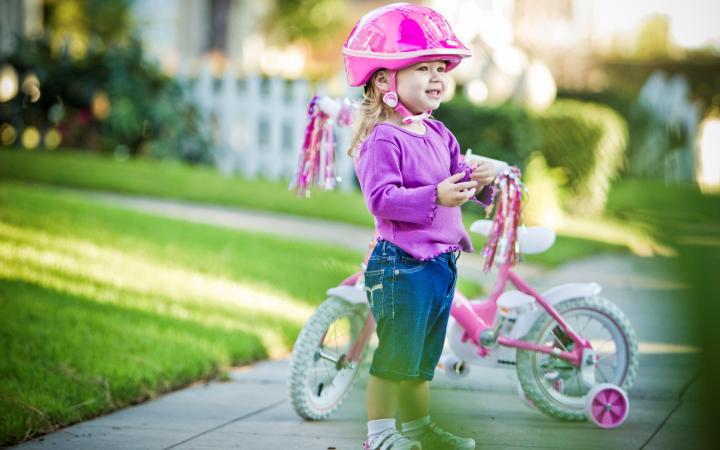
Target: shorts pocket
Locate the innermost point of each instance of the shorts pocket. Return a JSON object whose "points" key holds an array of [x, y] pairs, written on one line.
{"points": [[374, 291], [410, 265]]}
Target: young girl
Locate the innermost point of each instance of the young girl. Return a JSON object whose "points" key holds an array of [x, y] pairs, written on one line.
{"points": [[413, 183]]}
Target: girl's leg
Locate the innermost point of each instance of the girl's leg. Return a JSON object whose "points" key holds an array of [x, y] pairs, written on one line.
{"points": [[413, 396], [382, 397]]}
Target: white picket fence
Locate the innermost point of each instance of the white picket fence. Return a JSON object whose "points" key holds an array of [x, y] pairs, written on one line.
{"points": [[257, 125]]}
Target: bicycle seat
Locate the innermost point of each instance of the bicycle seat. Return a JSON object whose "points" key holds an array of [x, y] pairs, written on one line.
{"points": [[532, 240]]}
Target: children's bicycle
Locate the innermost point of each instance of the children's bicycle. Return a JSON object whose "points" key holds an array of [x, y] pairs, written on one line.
{"points": [[575, 352]]}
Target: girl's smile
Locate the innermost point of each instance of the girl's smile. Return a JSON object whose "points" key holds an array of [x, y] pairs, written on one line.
{"points": [[434, 93], [421, 86]]}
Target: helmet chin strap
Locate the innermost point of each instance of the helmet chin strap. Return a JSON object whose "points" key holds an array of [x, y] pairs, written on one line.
{"points": [[391, 99]]}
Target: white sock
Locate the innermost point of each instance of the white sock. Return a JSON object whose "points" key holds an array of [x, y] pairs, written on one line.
{"points": [[376, 427], [415, 428]]}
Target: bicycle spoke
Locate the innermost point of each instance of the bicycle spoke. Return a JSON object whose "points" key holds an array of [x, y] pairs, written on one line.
{"points": [[610, 367], [605, 378], [335, 342], [557, 339], [585, 326], [579, 383], [331, 352]]}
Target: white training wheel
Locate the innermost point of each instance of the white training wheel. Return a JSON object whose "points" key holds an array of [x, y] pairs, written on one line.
{"points": [[607, 405]]}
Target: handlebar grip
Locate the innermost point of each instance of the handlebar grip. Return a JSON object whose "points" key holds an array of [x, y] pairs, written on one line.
{"points": [[498, 165]]}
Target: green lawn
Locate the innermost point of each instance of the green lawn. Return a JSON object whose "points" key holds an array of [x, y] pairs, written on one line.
{"points": [[177, 181], [101, 307]]}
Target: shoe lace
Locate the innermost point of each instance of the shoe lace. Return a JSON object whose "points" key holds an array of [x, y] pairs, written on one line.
{"points": [[388, 439]]}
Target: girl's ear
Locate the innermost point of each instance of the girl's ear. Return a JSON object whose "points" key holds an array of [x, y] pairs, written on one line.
{"points": [[382, 80]]}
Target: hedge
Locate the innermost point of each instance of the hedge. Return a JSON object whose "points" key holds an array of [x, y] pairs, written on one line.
{"points": [[585, 140], [588, 141], [507, 132]]}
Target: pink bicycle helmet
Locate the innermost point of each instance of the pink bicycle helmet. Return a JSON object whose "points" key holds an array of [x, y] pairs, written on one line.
{"points": [[396, 36]]}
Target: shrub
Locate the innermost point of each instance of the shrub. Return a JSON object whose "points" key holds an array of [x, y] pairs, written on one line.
{"points": [[112, 100], [648, 140], [507, 132], [588, 141]]}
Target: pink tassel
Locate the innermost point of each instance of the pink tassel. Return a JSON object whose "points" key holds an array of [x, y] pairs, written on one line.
{"points": [[508, 216], [319, 144]]}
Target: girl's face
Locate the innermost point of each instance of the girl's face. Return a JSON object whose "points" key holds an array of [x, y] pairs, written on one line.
{"points": [[422, 85]]}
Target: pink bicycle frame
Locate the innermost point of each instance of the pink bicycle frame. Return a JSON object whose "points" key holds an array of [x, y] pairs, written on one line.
{"points": [[476, 319]]}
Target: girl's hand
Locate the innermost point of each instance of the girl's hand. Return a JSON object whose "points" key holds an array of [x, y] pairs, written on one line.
{"points": [[483, 173], [452, 193]]}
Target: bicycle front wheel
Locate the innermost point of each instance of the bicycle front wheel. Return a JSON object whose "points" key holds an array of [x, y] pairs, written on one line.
{"points": [[321, 376], [554, 385]]}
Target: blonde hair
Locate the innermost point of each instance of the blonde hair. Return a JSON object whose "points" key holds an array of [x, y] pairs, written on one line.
{"points": [[369, 113]]}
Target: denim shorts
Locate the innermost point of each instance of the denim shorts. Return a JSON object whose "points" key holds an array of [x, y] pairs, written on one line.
{"points": [[410, 301]]}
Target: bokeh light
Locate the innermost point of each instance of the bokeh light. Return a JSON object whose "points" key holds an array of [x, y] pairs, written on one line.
{"points": [[56, 113], [537, 88], [7, 134], [287, 62], [101, 105], [53, 138], [503, 74], [77, 48], [476, 91], [271, 61], [30, 138], [8, 83], [31, 87], [708, 176]]}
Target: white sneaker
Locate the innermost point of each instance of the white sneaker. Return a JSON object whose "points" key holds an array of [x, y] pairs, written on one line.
{"points": [[392, 439]]}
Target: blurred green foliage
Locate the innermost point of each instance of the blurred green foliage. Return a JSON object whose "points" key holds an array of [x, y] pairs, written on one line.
{"points": [[624, 103], [507, 132], [585, 142], [311, 20], [99, 24], [588, 141], [702, 71], [98, 88], [653, 39], [651, 140]]}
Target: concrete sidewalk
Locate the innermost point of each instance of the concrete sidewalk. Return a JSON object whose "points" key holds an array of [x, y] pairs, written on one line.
{"points": [[251, 411], [289, 226]]}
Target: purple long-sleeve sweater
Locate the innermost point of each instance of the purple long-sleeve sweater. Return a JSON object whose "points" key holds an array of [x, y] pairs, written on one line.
{"points": [[399, 171]]}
